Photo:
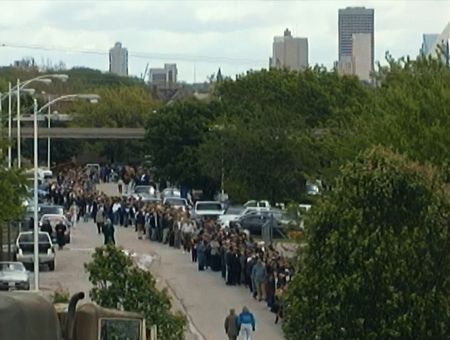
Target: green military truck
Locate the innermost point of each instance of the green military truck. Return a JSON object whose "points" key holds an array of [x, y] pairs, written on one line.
{"points": [[30, 316]]}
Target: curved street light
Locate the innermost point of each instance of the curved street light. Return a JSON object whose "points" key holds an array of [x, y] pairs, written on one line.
{"points": [[93, 98], [90, 97], [46, 79], [11, 91]]}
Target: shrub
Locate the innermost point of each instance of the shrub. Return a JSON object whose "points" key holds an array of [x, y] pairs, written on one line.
{"points": [[377, 262]]}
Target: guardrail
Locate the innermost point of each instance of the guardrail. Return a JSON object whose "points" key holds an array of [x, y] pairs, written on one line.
{"points": [[83, 133], [268, 228]]}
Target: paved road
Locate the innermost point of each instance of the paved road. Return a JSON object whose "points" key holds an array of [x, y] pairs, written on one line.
{"points": [[202, 296]]}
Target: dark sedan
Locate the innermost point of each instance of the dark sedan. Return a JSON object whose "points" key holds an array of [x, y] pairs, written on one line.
{"points": [[255, 220]]}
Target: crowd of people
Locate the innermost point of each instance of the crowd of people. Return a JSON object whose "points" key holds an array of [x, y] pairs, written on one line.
{"points": [[231, 252]]}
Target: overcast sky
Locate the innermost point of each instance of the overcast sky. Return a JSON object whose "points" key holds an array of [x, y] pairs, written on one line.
{"points": [[202, 35]]}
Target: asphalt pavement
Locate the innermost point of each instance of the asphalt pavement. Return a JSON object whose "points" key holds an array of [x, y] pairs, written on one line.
{"points": [[202, 296]]}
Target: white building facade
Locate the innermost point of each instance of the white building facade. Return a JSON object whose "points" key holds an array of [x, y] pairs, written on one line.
{"points": [[289, 52], [361, 56], [118, 60]]}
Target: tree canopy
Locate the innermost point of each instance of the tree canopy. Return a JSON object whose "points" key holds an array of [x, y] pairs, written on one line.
{"points": [[377, 262], [125, 102], [119, 284]]}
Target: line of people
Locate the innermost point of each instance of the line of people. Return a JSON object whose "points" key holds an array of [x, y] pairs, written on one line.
{"points": [[231, 252]]}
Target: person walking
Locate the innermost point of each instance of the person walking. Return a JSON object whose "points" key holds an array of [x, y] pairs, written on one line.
{"points": [[201, 254], [108, 232], [120, 186], [140, 223], [60, 230], [47, 227], [258, 278], [100, 219], [246, 324], [232, 325]]}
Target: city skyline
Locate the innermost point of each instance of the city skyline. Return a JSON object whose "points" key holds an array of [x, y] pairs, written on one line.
{"points": [[203, 36]]}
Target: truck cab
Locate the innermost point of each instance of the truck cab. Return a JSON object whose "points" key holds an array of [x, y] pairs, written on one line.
{"points": [[30, 316]]}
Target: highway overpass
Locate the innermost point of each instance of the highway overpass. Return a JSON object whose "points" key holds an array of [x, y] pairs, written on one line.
{"points": [[82, 133]]}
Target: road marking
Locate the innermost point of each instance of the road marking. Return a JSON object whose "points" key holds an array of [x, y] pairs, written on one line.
{"points": [[82, 249]]}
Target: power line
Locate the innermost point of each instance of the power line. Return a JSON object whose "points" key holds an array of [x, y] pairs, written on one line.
{"points": [[141, 55]]}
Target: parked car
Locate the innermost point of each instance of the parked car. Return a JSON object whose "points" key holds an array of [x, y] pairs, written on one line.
{"points": [[171, 192], [257, 205], [25, 249], [14, 276], [54, 220], [313, 188], [176, 202], [46, 209], [150, 199], [92, 167], [143, 189], [254, 221], [210, 209], [45, 174], [231, 216]]}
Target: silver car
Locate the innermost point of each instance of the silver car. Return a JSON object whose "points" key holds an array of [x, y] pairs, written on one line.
{"points": [[25, 249], [14, 276]]}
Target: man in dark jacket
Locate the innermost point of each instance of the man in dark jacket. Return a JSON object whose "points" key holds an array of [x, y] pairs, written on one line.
{"points": [[108, 232], [140, 223], [46, 227], [230, 261], [60, 230], [232, 325]]}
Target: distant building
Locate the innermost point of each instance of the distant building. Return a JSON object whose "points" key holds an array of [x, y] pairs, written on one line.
{"points": [[345, 65], [289, 52], [25, 63], [164, 78], [441, 41], [356, 41], [118, 60], [427, 43], [361, 55]]}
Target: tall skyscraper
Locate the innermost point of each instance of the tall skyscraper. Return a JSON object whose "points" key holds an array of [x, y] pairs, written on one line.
{"points": [[356, 40], [289, 52], [118, 60]]}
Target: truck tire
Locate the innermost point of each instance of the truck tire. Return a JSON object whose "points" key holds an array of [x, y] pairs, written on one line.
{"points": [[51, 266]]}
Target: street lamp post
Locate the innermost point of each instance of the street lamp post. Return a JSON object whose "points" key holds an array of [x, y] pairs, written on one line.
{"points": [[46, 79], [92, 98], [36, 226], [9, 126], [11, 91], [19, 163], [48, 138]]}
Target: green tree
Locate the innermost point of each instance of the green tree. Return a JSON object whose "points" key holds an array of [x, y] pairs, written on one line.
{"points": [[13, 189], [413, 109], [120, 284], [377, 262], [271, 124], [125, 102], [13, 192], [173, 136]]}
